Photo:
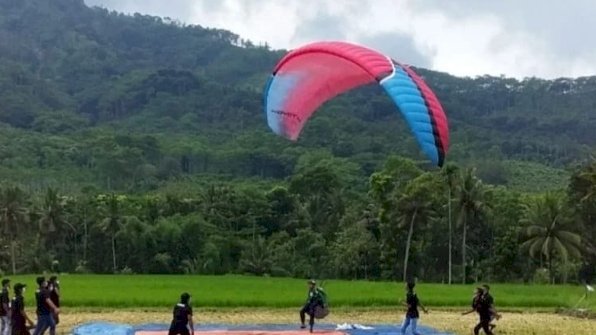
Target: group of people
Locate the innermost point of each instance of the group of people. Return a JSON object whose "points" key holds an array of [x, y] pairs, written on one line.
{"points": [[315, 307], [15, 320], [482, 303]]}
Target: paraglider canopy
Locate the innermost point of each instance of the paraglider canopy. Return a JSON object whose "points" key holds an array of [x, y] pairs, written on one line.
{"points": [[308, 76]]}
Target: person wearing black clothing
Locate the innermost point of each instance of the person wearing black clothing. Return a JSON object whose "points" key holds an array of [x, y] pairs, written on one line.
{"points": [[19, 317], [45, 309], [182, 317], [54, 288], [313, 300], [478, 292], [5, 308], [412, 314], [491, 301], [486, 312]]}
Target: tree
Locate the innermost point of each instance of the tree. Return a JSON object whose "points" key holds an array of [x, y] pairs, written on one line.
{"points": [[13, 209], [53, 216], [415, 206], [112, 221], [353, 249], [318, 188], [256, 257], [582, 198], [450, 172], [546, 234], [387, 188], [471, 202]]}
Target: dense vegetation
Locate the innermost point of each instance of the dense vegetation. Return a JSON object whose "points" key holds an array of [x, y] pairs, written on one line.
{"points": [[137, 144]]}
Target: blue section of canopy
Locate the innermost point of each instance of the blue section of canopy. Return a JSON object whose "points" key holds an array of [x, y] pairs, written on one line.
{"points": [[406, 95], [103, 328]]}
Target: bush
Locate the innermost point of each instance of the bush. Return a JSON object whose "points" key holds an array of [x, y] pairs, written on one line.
{"points": [[541, 276]]}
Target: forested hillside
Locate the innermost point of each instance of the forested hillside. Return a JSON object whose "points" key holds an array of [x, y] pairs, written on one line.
{"points": [[94, 102]]}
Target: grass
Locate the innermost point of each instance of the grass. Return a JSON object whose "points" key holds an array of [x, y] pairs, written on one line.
{"points": [[158, 291]]}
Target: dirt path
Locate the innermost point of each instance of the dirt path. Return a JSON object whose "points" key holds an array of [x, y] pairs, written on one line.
{"points": [[511, 323]]}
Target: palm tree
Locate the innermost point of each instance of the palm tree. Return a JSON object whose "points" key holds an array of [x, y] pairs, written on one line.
{"points": [[415, 206], [471, 196], [256, 257], [52, 218], [582, 198], [111, 224], [13, 212], [547, 219], [450, 173]]}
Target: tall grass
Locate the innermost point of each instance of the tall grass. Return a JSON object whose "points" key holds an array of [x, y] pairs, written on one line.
{"points": [[128, 291]]}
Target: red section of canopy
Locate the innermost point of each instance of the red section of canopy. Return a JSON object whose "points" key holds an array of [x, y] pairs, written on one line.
{"points": [[374, 63], [319, 72], [250, 332]]}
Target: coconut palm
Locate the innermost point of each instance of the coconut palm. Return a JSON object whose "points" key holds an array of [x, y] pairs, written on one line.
{"points": [[416, 207], [13, 214], [112, 223], [450, 174], [547, 220], [471, 203]]}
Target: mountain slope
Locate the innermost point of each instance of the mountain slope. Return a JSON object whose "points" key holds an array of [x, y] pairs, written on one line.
{"points": [[131, 101]]}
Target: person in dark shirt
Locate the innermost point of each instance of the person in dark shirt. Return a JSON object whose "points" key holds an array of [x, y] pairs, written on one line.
{"points": [[5, 308], [45, 309], [182, 317], [478, 292], [313, 300], [54, 288], [491, 301], [19, 317], [486, 312], [412, 314]]}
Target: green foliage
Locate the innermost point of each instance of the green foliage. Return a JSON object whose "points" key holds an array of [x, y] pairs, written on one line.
{"points": [[135, 144], [136, 102]]}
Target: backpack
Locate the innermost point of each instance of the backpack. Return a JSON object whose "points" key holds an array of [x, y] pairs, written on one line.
{"points": [[321, 311]]}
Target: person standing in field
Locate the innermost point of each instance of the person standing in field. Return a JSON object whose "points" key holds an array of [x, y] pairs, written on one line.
{"points": [[19, 317], [182, 317], [412, 314], [5, 307], [45, 309], [313, 300], [486, 312], [54, 288], [491, 301], [478, 292]]}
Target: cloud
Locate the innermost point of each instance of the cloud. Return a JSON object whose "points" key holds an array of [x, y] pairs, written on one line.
{"points": [[400, 47], [322, 27], [464, 37]]}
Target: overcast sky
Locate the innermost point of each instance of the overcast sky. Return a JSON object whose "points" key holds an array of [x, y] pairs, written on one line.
{"points": [[519, 38]]}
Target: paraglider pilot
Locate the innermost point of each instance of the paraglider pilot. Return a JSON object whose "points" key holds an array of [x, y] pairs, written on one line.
{"points": [[313, 300]]}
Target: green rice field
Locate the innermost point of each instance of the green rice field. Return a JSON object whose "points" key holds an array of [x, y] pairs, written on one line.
{"points": [[128, 291]]}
